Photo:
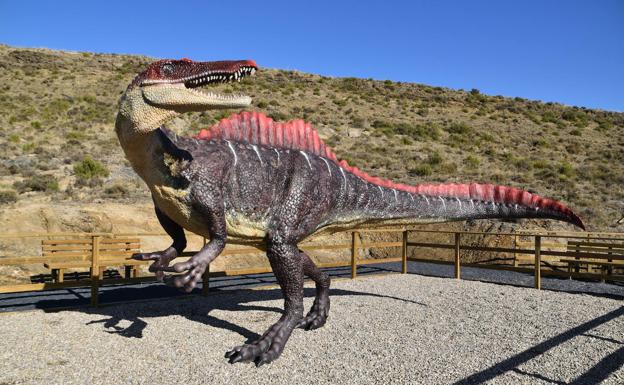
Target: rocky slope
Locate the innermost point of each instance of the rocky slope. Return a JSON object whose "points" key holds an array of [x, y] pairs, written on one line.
{"points": [[60, 152]]}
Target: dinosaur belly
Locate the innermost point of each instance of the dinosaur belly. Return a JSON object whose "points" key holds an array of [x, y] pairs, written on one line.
{"points": [[240, 226], [174, 203]]}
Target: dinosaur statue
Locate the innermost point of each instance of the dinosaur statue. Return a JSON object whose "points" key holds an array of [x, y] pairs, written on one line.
{"points": [[249, 177]]}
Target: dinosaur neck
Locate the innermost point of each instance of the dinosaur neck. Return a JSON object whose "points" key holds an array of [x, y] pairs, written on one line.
{"points": [[136, 126]]}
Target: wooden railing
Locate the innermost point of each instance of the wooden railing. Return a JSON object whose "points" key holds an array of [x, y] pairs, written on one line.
{"points": [[536, 249]]}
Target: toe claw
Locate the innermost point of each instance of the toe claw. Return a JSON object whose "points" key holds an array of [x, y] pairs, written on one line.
{"points": [[236, 358]]}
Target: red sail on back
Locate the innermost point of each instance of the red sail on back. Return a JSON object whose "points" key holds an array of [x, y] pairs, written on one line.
{"points": [[259, 129]]}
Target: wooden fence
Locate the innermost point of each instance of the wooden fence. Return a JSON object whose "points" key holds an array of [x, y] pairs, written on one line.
{"points": [[535, 249]]}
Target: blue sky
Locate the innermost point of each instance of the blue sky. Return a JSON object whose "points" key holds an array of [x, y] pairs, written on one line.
{"points": [[570, 52]]}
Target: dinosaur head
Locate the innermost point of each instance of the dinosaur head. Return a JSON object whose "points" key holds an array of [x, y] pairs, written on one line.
{"points": [[168, 87]]}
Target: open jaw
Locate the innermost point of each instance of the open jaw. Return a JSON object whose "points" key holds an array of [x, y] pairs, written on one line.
{"points": [[217, 76], [187, 87]]}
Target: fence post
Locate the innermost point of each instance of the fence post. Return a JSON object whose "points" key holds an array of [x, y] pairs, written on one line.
{"points": [[538, 262], [206, 275], [515, 252], [457, 263], [404, 253], [95, 270], [355, 247]]}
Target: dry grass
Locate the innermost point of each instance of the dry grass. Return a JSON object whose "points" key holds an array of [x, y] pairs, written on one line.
{"points": [[58, 108]]}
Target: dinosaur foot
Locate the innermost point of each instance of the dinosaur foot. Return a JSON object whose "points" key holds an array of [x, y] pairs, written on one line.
{"points": [[266, 349], [161, 260], [317, 316]]}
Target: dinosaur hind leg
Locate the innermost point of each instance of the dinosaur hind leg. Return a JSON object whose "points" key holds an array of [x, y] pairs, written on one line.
{"points": [[317, 316], [287, 266]]}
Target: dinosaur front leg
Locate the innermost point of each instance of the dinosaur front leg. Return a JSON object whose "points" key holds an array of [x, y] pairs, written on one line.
{"points": [[193, 269], [163, 258], [287, 266], [317, 316]]}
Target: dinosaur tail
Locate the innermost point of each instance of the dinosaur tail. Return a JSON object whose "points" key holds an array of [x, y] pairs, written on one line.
{"points": [[495, 201], [449, 202]]}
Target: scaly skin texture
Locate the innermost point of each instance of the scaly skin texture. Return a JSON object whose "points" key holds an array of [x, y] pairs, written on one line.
{"points": [[251, 178]]}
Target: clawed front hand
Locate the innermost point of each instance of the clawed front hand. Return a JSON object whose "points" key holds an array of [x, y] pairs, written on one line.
{"points": [[161, 260]]}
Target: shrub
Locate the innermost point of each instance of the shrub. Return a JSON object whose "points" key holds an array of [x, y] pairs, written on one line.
{"points": [[604, 125], [549, 117], [541, 164], [447, 168], [567, 169], [540, 143], [28, 147], [472, 161], [116, 191], [278, 116], [357, 122], [422, 170], [435, 158], [89, 168], [523, 164], [8, 196], [381, 124], [459, 128], [37, 183]]}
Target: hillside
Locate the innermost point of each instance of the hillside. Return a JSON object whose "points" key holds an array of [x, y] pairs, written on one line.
{"points": [[57, 111]]}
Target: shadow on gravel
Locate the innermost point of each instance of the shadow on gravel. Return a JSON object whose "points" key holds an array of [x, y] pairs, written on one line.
{"points": [[594, 375], [198, 309]]}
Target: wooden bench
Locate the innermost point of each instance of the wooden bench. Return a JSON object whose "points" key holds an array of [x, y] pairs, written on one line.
{"points": [[604, 254], [79, 253]]}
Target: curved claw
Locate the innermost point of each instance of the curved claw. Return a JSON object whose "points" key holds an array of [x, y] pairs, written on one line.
{"points": [[184, 266], [267, 348], [261, 361], [317, 317], [236, 358], [186, 281], [145, 256]]}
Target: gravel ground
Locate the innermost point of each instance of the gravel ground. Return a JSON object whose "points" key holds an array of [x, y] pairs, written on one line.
{"points": [[383, 329]]}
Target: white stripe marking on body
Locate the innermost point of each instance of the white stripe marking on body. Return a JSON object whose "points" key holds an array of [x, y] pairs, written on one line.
{"points": [[308, 159], [257, 153], [233, 152], [327, 163]]}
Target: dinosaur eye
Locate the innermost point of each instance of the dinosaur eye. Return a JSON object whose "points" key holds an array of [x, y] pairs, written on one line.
{"points": [[167, 69]]}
